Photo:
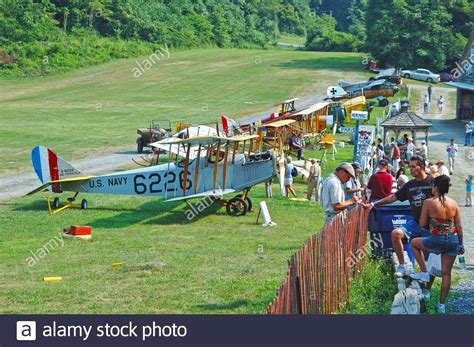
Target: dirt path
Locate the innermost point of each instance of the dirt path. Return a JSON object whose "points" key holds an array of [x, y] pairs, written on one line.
{"points": [[445, 127]]}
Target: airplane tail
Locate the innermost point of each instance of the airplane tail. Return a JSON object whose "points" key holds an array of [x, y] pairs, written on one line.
{"points": [[228, 123], [51, 167]]}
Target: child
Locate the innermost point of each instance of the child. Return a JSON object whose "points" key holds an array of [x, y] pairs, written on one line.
{"points": [[469, 185]]}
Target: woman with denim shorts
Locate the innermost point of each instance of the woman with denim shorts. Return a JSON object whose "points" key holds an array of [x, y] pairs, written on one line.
{"points": [[443, 217]]}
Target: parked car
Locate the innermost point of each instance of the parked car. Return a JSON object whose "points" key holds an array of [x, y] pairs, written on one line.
{"points": [[446, 77], [421, 74]]}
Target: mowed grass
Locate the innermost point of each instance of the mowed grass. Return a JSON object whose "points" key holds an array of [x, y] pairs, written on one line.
{"points": [[212, 264], [97, 110]]}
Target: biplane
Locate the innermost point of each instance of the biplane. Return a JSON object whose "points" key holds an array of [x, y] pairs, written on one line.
{"points": [[217, 166]]}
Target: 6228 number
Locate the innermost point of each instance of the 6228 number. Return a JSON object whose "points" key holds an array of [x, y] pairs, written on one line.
{"points": [[152, 183]]}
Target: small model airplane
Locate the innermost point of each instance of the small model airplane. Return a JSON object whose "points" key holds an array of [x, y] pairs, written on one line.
{"points": [[217, 169]]}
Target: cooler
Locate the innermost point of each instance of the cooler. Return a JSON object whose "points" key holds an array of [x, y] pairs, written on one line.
{"points": [[382, 220]]}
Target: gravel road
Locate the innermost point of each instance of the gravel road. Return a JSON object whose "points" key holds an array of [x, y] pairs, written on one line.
{"points": [[445, 127]]}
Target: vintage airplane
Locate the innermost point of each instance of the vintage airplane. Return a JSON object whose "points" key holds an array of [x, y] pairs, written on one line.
{"points": [[369, 89], [218, 168]]}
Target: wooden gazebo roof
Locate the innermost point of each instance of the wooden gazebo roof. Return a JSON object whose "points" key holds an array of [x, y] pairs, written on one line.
{"points": [[406, 120]]}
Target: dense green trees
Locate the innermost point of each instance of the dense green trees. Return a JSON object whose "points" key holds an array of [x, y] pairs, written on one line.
{"points": [[40, 36], [418, 33]]}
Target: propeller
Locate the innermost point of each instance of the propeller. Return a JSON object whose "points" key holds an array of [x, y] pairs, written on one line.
{"points": [[281, 177]]}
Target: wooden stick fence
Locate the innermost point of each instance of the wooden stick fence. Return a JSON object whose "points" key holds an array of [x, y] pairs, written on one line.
{"points": [[319, 272]]}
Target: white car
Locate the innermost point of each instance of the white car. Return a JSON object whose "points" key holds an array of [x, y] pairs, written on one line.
{"points": [[421, 74]]}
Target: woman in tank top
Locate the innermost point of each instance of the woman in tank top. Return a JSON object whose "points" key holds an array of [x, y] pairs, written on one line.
{"points": [[443, 217]]}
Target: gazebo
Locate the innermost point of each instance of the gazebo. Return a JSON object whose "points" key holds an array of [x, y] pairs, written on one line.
{"points": [[406, 121]]}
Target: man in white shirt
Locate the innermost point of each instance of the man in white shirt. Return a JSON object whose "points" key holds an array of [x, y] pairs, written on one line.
{"points": [[442, 169], [424, 150], [410, 148], [452, 150], [332, 193]]}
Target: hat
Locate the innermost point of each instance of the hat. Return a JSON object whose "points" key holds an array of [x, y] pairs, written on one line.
{"points": [[440, 162], [383, 162], [356, 165], [423, 141], [348, 168]]}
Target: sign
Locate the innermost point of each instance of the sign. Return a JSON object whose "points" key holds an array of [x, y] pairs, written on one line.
{"points": [[347, 130], [359, 115]]}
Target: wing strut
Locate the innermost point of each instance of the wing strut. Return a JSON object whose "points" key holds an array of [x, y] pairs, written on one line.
{"points": [[185, 174], [216, 163], [224, 175], [196, 170]]}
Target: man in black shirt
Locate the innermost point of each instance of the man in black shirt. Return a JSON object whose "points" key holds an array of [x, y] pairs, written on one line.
{"points": [[415, 191]]}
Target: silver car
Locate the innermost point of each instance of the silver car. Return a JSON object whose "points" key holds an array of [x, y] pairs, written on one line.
{"points": [[421, 74]]}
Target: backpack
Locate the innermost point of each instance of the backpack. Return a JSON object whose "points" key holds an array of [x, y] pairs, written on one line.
{"points": [[294, 172]]}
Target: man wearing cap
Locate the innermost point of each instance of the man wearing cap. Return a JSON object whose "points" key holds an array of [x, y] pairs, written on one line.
{"points": [[416, 192], [332, 194], [313, 180], [380, 183], [353, 187], [442, 169]]}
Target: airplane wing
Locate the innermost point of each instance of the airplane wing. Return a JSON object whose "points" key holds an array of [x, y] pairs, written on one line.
{"points": [[217, 192], [46, 185], [375, 84]]}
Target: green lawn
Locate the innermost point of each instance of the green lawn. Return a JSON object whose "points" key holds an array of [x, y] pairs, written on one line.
{"points": [[81, 113], [214, 264]]}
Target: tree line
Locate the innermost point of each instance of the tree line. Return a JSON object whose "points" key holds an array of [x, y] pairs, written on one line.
{"points": [[43, 36]]}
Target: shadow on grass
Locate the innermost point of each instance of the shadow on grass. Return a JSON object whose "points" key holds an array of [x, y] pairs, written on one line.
{"points": [[42, 205], [351, 63], [154, 213]]}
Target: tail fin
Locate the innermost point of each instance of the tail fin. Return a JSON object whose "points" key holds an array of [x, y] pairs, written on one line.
{"points": [[228, 123], [51, 167]]}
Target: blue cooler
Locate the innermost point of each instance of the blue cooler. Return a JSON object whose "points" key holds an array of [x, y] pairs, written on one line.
{"points": [[382, 220]]}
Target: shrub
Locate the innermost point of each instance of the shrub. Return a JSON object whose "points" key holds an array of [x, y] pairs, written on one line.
{"points": [[373, 291]]}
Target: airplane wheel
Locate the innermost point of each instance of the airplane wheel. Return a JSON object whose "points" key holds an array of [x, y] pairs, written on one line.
{"points": [[84, 204], [56, 203], [236, 207], [248, 202]]}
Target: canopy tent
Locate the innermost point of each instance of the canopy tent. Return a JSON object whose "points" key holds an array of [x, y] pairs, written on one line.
{"points": [[406, 121]]}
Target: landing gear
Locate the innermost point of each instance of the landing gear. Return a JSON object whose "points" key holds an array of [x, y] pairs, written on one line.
{"points": [[247, 200], [84, 204], [56, 207], [56, 202], [236, 207]]}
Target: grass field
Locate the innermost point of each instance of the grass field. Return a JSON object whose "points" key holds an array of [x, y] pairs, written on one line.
{"points": [[79, 114], [214, 264]]}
